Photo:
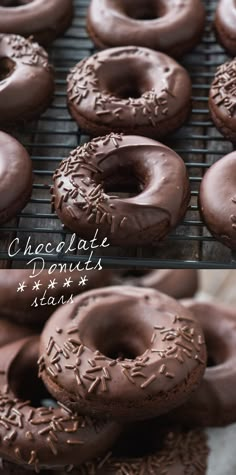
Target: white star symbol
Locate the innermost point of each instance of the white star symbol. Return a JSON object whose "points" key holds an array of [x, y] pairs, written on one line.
{"points": [[37, 285], [22, 287], [83, 281], [68, 282], [52, 284]]}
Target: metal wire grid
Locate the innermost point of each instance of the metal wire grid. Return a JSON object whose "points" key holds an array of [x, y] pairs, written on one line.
{"points": [[51, 138]]}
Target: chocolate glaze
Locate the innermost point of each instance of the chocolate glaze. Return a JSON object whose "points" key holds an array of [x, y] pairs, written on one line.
{"points": [[82, 182], [10, 332], [16, 306], [218, 200], [180, 454], [132, 90], [15, 177], [129, 352], [44, 19], [213, 404], [222, 101], [225, 20], [172, 26], [37, 437], [26, 79], [178, 283]]}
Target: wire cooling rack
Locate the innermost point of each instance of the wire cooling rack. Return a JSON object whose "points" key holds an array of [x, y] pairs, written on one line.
{"points": [[50, 139]]}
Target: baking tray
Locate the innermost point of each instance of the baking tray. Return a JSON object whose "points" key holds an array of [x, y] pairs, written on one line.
{"points": [[50, 139]]}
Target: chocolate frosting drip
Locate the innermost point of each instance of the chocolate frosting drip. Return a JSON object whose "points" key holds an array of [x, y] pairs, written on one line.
{"points": [[81, 184], [26, 79], [44, 19], [182, 454], [127, 351], [219, 208], [172, 26], [129, 89], [15, 176], [213, 404], [39, 437]]}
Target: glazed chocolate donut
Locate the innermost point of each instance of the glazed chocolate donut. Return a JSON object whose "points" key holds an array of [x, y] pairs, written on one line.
{"points": [[213, 403], [18, 306], [180, 454], [129, 352], [225, 25], [132, 90], [38, 437], [172, 26], [26, 79], [178, 283], [43, 19], [16, 177], [222, 101], [217, 200], [10, 332], [82, 183]]}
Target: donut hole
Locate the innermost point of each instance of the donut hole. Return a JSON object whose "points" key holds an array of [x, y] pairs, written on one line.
{"points": [[116, 332], [119, 78], [124, 180], [216, 350], [7, 67], [14, 3], [142, 10], [24, 380]]}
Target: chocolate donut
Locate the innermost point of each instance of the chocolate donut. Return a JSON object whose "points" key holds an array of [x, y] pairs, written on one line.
{"points": [[181, 454], [178, 283], [38, 437], [82, 183], [222, 101], [225, 20], [131, 90], [172, 26], [16, 177], [217, 200], [26, 79], [43, 19], [129, 352], [10, 332], [19, 306], [213, 403]]}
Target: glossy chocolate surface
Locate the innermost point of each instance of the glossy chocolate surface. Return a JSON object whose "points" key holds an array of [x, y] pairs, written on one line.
{"points": [[17, 306], [43, 19], [10, 332], [15, 177], [130, 89], [222, 102], [178, 283], [172, 26], [130, 352], [218, 200], [40, 437], [26, 79], [213, 404], [225, 20], [82, 184]]}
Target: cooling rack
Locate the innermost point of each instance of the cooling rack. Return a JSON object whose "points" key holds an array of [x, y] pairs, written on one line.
{"points": [[50, 139]]}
